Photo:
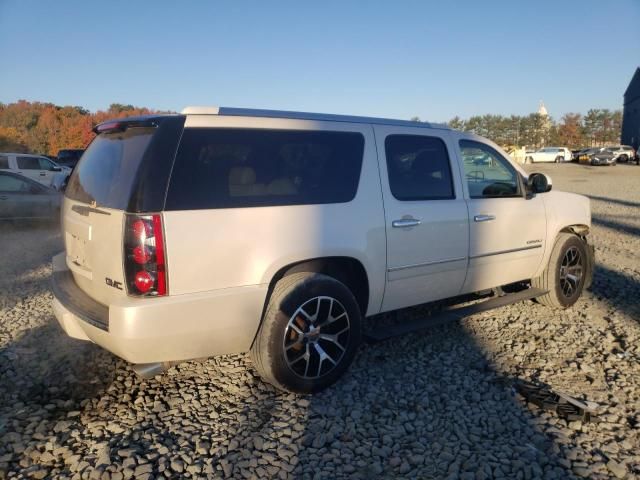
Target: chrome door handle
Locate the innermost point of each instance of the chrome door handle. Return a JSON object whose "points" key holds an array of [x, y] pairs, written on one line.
{"points": [[484, 218], [405, 222], [42, 174]]}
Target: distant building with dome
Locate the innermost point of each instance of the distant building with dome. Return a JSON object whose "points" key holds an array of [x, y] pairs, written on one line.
{"points": [[542, 110], [546, 125]]}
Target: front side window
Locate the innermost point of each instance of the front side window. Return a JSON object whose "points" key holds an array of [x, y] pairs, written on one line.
{"points": [[418, 167], [232, 168], [45, 164], [28, 163], [488, 173], [9, 183]]}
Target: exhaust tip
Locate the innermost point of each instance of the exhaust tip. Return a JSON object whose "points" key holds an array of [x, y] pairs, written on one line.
{"points": [[150, 370]]}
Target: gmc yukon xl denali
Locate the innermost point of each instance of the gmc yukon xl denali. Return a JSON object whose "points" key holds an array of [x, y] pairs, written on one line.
{"points": [[222, 230]]}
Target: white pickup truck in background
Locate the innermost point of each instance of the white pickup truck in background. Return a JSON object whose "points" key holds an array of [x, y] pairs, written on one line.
{"points": [[38, 168], [549, 154]]}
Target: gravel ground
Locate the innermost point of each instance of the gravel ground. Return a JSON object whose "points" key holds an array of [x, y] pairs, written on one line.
{"points": [[434, 405]]}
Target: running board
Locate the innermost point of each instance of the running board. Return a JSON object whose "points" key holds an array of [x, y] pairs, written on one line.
{"points": [[449, 315]]}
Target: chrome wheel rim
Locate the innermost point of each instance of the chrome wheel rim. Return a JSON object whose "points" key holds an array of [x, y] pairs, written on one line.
{"points": [[316, 337], [571, 272]]}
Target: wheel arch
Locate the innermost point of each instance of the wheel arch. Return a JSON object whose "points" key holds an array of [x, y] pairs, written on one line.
{"points": [[580, 230], [348, 270]]}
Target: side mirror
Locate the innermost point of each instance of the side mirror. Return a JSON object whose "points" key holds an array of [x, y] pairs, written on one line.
{"points": [[34, 189], [539, 183], [56, 169]]}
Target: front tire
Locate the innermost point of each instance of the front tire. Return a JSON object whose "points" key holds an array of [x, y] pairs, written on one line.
{"points": [[310, 333], [565, 275]]}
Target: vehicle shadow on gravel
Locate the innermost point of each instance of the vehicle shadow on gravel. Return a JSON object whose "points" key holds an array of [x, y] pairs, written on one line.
{"points": [[621, 227], [421, 406], [427, 405], [620, 290], [624, 203], [46, 380]]}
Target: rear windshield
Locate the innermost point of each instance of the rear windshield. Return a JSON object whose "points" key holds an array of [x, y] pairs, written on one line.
{"points": [[231, 168], [108, 168]]}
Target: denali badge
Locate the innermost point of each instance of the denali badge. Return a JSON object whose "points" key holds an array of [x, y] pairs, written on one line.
{"points": [[113, 283], [529, 242]]}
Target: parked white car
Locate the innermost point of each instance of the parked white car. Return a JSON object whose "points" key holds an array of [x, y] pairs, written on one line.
{"points": [[222, 230], [36, 167], [623, 153], [549, 154]]}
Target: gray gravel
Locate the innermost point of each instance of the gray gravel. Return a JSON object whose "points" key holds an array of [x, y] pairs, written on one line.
{"points": [[434, 405]]}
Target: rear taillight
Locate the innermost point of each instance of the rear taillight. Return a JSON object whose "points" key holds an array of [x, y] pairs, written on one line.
{"points": [[144, 258]]}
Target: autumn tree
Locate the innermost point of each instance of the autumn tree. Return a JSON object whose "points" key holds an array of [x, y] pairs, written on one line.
{"points": [[46, 128], [570, 130]]}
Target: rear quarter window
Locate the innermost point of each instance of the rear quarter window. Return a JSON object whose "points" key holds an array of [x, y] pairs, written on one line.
{"points": [[4, 162], [233, 168]]}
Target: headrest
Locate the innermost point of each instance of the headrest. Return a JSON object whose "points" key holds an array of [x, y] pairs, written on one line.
{"points": [[242, 176]]}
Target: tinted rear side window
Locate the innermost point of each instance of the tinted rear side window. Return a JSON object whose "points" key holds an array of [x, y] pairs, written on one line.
{"points": [[107, 170], [418, 167], [28, 163], [231, 168], [4, 162]]}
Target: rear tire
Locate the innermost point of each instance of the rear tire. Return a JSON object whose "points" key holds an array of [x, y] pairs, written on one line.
{"points": [[565, 275], [310, 333]]}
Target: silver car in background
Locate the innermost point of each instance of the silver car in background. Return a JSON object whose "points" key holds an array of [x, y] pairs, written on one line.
{"points": [[22, 198]]}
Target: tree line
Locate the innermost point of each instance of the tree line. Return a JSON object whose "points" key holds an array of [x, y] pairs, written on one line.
{"points": [[45, 128], [599, 127]]}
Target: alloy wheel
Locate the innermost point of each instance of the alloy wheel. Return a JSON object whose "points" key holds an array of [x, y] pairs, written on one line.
{"points": [[571, 271], [316, 337]]}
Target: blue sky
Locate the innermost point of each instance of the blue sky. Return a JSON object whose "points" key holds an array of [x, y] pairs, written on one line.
{"points": [[394, 59]]}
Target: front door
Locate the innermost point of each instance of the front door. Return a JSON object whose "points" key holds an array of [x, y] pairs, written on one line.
{"points": [[507, 230], [426, 216], [35, 168], [16, 199]]}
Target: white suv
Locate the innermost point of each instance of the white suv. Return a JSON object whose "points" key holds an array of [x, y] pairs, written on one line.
{"points": [[219, 231], [549, 155], [623, 153]]}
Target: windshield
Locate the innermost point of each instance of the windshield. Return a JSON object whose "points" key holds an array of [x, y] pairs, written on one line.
{"points": [[107, 170]]}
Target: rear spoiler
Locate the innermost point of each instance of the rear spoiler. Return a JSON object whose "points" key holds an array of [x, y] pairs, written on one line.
{"points": [[121, 125]]}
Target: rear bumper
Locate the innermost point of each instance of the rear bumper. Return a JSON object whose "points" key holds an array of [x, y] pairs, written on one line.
{"points": [[165, 329]]}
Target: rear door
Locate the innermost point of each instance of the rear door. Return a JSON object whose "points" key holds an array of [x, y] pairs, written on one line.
{"points": [[426, 216]]}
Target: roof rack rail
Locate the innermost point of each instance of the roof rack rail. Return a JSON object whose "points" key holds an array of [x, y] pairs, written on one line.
{"points": [[251, 112]]}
